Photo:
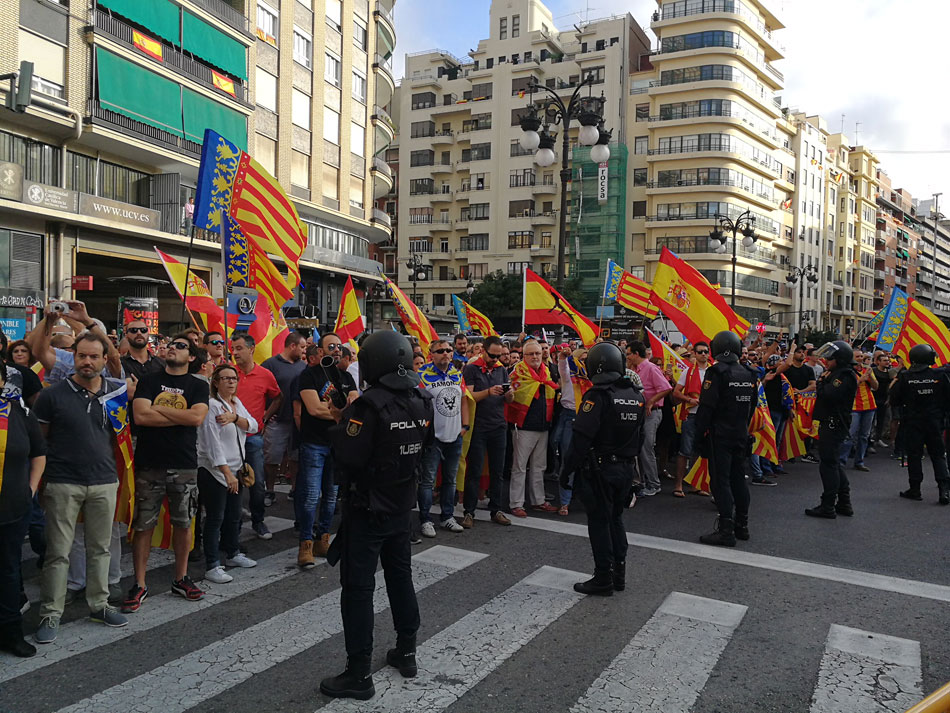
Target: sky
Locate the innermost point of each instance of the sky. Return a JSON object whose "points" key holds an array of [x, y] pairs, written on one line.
{"points": [[880, 63]]}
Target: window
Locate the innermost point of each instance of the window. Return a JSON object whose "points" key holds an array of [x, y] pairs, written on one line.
{"points": [[520, 239], [643, 112], [303, 48], [475, 211], [333, 71], [330, 185], [518, 268], [300, 109], [482, 91], [421, 186], [476, 241], [265, 153], [515, 25], [359, 35], [640, 144], [48, 63], [357, 140], [299, 169], [356, 192], [359, 86], [639, 176], [503, 28], [421, 158], [331, 125], [266, 90], [473, 271], [267, 22], [335, 14], [639, 209], [419, 129], [423, 100]]}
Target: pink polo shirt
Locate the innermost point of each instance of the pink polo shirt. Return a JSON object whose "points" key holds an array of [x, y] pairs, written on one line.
{"points": [[654, 380]]}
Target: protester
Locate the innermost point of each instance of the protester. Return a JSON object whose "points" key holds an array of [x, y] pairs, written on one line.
{"points": [[687, 391], [885, 375], [459, 357], [574, 384], [862, 416], [20, 353], [655, 388], [19, 381], [58, 361], [280, 435], [138, 361], [214, 345]]}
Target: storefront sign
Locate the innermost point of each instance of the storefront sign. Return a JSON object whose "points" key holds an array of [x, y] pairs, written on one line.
{"points": [[50, 197], [82, 282], [119, 212], [139, 308], [13, 327], [602, 183], [11, 181], [10, 297]]}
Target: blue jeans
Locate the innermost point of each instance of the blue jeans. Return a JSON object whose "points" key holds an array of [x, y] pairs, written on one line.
{"points": [[448, 454], [314, 479], [254, 455], [861, 422], [562, 436], [494, 441]]}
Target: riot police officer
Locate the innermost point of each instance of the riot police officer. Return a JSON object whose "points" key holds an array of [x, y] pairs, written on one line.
{"points": [[726, 404], [608, 434], [835, 399], [924, 392], [377, 447]]}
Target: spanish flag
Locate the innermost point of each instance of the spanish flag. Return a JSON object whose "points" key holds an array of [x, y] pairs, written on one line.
{"points": [[198, 299], [698, 475], [529, 385], [687, 298], [225, 84], [471, 320], [349, 320], [412, 317], [545, 305], [149, 45], [269, 331], [671, 361]]}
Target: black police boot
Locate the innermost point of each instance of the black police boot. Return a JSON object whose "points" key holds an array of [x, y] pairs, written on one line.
{"points": [[741, 528], [843, 505], [912, 493], [944, 497], [601, 585], [12, 641], [354, 682], [724, 536], [403, 657], [619, 574]]}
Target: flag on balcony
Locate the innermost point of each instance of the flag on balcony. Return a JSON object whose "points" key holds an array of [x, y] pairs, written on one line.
{"points": [[412, 317], [471, 320], [545, 305], [204, 310], [350, 323], [148, 45], [246, 265], [225, 84], [687, 298], [628, 291], [232, 183]]}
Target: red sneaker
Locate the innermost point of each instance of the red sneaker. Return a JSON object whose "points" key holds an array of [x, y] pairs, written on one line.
{"points": [[184, 587], [135, 598], [519, 512]]}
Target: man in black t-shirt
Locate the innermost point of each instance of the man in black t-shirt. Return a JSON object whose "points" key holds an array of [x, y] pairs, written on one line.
{"points": [[169, 406], [314, 473], [885, 374], [799, 374]]}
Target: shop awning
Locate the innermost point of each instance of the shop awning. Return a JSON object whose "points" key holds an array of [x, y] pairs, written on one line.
{"points": [[213, 46], [202, 113], [158, 16], [137, 93]]}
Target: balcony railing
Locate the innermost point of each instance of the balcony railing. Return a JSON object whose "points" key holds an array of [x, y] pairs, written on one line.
{"points": [[381, 217], [382, 166], [384, 62], [383, 12], [105, 117], [721, 182], [222, 10], [383, 116], [761, 254]]}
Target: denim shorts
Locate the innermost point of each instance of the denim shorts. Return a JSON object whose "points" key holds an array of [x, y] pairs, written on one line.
{"points": [[688, 436]]}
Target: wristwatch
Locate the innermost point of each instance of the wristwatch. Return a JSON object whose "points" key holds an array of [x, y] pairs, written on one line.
{"points": [[465, 427]]}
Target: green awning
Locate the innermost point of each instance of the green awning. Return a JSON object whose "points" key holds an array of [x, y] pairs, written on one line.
{"points": [[213, 46], [202, 113], [158, 16], [137, 93]]}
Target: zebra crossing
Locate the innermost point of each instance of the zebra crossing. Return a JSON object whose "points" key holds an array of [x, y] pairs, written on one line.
{"points": [[665, 665]]}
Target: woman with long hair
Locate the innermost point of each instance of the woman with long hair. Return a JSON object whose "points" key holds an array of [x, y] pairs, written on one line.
{"points": [[220, 457]]}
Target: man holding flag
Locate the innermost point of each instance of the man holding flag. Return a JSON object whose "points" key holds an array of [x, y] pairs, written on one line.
{"points": [[687, 391]]}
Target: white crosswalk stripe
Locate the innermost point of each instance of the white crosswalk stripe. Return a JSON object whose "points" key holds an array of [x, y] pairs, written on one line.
{"points": [[867, 672], [196, 677], [491, 634], [652, 674]]}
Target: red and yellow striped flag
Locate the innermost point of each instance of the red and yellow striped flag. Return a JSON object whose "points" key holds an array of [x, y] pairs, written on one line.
{"points": [[922, 327], [793, 442], [864, 398], [763, 430], [412, 317], [526, 383], [698, 475], [545, 305], [148, 45], [628, 291], [225, 84]]}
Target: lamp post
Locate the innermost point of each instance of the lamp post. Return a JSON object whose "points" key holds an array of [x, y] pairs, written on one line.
{"points": [[415, 265], [744, 224], [800, 275], [536, 136]]}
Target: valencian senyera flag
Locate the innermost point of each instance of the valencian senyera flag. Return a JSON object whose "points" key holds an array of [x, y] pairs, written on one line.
{"points": [[687, 298], [246, 265], [471, 320], [763, 430], [232, 183], [628, 291], [908, 323], [698, 475], [350, 322], [202, 306], [413, 319], [545, 305]]}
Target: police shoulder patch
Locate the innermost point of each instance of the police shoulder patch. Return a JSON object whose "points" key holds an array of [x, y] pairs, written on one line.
{"points": [[354, 427], [587, 406], [707, 384], [836, 382]]}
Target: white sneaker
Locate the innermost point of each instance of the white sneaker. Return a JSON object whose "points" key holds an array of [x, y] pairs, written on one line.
{"points": [[428, 529], [240, 560], [451, 525], [218, 575]]}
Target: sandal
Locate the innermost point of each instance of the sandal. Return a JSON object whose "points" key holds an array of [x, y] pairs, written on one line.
{"points": [[562, 510], [679, 494]]}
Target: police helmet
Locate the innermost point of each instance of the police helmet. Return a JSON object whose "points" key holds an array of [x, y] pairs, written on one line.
{"points": [[726, 347], [923, 354], [605, 363], [838, 350], [386, 358]]}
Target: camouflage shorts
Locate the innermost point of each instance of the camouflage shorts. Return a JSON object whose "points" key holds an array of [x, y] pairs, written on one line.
{"points": [[152, 485]]}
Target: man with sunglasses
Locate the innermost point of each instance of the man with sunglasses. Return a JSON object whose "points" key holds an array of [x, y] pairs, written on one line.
{"points": [[214, 346], [488, 380], [139, 361]]}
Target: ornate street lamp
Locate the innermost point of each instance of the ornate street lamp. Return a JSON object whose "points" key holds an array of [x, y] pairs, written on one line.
{"points": [[744, 224]]}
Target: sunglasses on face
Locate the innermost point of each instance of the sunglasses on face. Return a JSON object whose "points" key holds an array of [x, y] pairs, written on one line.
{"points": [[333, 347], [183, 346], [137, 330], [441, 351], [497, 355], [216, 342], [702, 351]]}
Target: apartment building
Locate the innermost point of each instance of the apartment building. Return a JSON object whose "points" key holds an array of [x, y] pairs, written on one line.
{"points": [[933, 264], [897, 242], [100, 167], [471, 200], [706, 141]]}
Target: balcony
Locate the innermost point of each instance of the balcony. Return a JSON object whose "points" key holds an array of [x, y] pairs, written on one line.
{"points": [[231, 17], [385, 129], [544, 189], [442, 168], [440, 225], [385, 25], [100, 116], [760, 254], [382, 218], [443, 196], [385, 83], [443, 138], [383, 181]]}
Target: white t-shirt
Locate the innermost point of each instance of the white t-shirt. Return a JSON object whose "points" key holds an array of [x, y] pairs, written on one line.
{"points": [[682, 382], [217, 444], [446, 391]]}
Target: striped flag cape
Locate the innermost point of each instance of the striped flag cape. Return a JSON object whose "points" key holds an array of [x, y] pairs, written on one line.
{"points": [[413, 319], [579, 380], [804, 412], [471, 320], [763, 430], [698, 475], [864, 398], [628, 291], [116, 405], [527, 385]]}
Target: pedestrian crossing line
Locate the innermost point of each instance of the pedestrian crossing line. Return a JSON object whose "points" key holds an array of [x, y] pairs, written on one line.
{"points": [[666, 665], [195, 677], [489, 636], [158, 558], [162, 607], [867, 672], [869, 580]]}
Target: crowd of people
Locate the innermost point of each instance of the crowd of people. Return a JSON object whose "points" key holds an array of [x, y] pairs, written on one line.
{"points": [[208, 423]]}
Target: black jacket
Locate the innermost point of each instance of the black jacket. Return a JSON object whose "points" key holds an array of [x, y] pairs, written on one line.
{"points": [[835, 398]]}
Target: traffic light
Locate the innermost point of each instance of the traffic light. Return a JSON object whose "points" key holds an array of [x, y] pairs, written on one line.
{"points": [[24, 87]]}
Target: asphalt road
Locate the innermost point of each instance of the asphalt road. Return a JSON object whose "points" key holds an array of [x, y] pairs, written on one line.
{"points": [[842, 616]]}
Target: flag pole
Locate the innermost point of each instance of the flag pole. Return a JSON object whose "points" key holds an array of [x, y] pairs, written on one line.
{"points": [[224, 281], [524, 297], [603, 300]]}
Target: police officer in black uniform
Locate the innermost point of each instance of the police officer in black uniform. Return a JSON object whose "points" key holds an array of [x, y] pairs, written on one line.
{"points": [[377, 447], [924, 394], [608, 434], [726, 404], [835, 399]]}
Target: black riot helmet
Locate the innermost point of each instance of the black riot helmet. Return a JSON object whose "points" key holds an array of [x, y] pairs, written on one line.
{"points": [[605, 363], [726, 347], [839, 350], [386, 358], [923, 354]]}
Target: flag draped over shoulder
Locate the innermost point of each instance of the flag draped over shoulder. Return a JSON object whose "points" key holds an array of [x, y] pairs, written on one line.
{"points": [[804, 413], [579, 380], [350, 323], [412, 317], [116, 404], [698, 475], [691, 389], [763, 430], [628, 291], [471, 320], [864, 398], [466, 436], [687, 298], [545, 305], [197, 296], [528, 385]]}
